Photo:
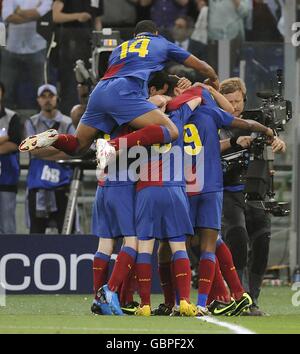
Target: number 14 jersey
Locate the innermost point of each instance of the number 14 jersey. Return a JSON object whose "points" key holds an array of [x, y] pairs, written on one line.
{"points": [[142, 56]]}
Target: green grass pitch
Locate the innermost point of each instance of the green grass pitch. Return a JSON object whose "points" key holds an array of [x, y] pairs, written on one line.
{"points": [[71, 314]]}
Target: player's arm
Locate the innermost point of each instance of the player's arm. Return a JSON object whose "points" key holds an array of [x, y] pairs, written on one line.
{"points": [[3, 139], [251, 125], [8, 147], [219, 98], [204, 69], [242, 141], [186, 58]]}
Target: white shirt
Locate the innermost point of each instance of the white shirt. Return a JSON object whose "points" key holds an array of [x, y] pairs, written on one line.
{"points": [[23, 38], [184, 44], [200, 31]]}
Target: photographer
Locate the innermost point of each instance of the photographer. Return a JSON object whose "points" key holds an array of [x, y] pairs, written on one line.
{"points": [[242, 222]]}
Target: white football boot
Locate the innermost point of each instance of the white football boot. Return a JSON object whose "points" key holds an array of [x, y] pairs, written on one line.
{"points": [[105, 153], [41, 140]]}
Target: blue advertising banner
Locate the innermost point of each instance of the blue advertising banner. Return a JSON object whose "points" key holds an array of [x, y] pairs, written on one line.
{"points": [[50, 264]]}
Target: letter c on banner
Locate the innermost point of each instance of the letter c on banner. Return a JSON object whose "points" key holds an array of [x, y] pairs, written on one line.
{"points": [[3, 262]]}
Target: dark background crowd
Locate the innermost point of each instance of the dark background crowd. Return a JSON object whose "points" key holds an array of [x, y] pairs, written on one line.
{"points": [[195, 25]]}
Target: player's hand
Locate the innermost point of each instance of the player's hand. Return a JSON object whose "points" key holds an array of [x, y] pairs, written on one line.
{"points": [[278, 145], [244, 141], [214, 83], [84, 17], [184, 83], [160, 101], [270, 134], [206, 86]]}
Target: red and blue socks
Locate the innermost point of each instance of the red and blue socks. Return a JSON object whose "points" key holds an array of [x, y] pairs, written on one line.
{"points": [[67, 143], [166, 283], [100, 270], [123, 265], [206, 275], [128, 288], [218, 290], [228, 269], [182, 274], [144, 276], [152, 134]]}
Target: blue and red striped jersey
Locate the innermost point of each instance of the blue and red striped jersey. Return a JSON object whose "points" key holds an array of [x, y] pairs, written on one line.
{"points": [[143, 55]]}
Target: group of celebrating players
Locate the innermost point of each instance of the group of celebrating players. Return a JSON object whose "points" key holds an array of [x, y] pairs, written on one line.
{"points": [[180, 214]]}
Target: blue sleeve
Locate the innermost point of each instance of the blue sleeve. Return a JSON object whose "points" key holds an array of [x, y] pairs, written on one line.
{"points": [[176, 53], [222, 118]]}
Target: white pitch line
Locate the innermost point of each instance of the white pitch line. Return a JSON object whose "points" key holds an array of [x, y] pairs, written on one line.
{"points": [[235, 328], [100, 329]]}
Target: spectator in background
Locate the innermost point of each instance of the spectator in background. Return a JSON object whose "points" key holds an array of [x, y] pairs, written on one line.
{"points": [[10, 138], [25, 53], [200, 32], [264, 13], [181, 35], [226, 19], [78, 110], [226, 22], [118, 13], [47, 181], [142, 9], [77, 19], [165, 12]]}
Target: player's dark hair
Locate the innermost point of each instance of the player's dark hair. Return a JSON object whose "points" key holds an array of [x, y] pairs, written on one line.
{"points": [[145, 26], [158, 80], [172, 82]]}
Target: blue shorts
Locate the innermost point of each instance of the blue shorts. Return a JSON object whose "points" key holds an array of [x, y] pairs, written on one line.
{"points": [[113, 212], [162, 213], [206, 210], [115, 102]]}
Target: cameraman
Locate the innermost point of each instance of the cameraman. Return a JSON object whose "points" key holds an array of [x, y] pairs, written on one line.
{"points": [[243, 223]]}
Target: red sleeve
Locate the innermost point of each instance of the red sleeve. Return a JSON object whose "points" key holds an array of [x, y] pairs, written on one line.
{"points": [[188, 95]]}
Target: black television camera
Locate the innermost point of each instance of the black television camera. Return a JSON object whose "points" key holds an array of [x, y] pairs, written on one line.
{"points": [[255, 165], [103, 43]]}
